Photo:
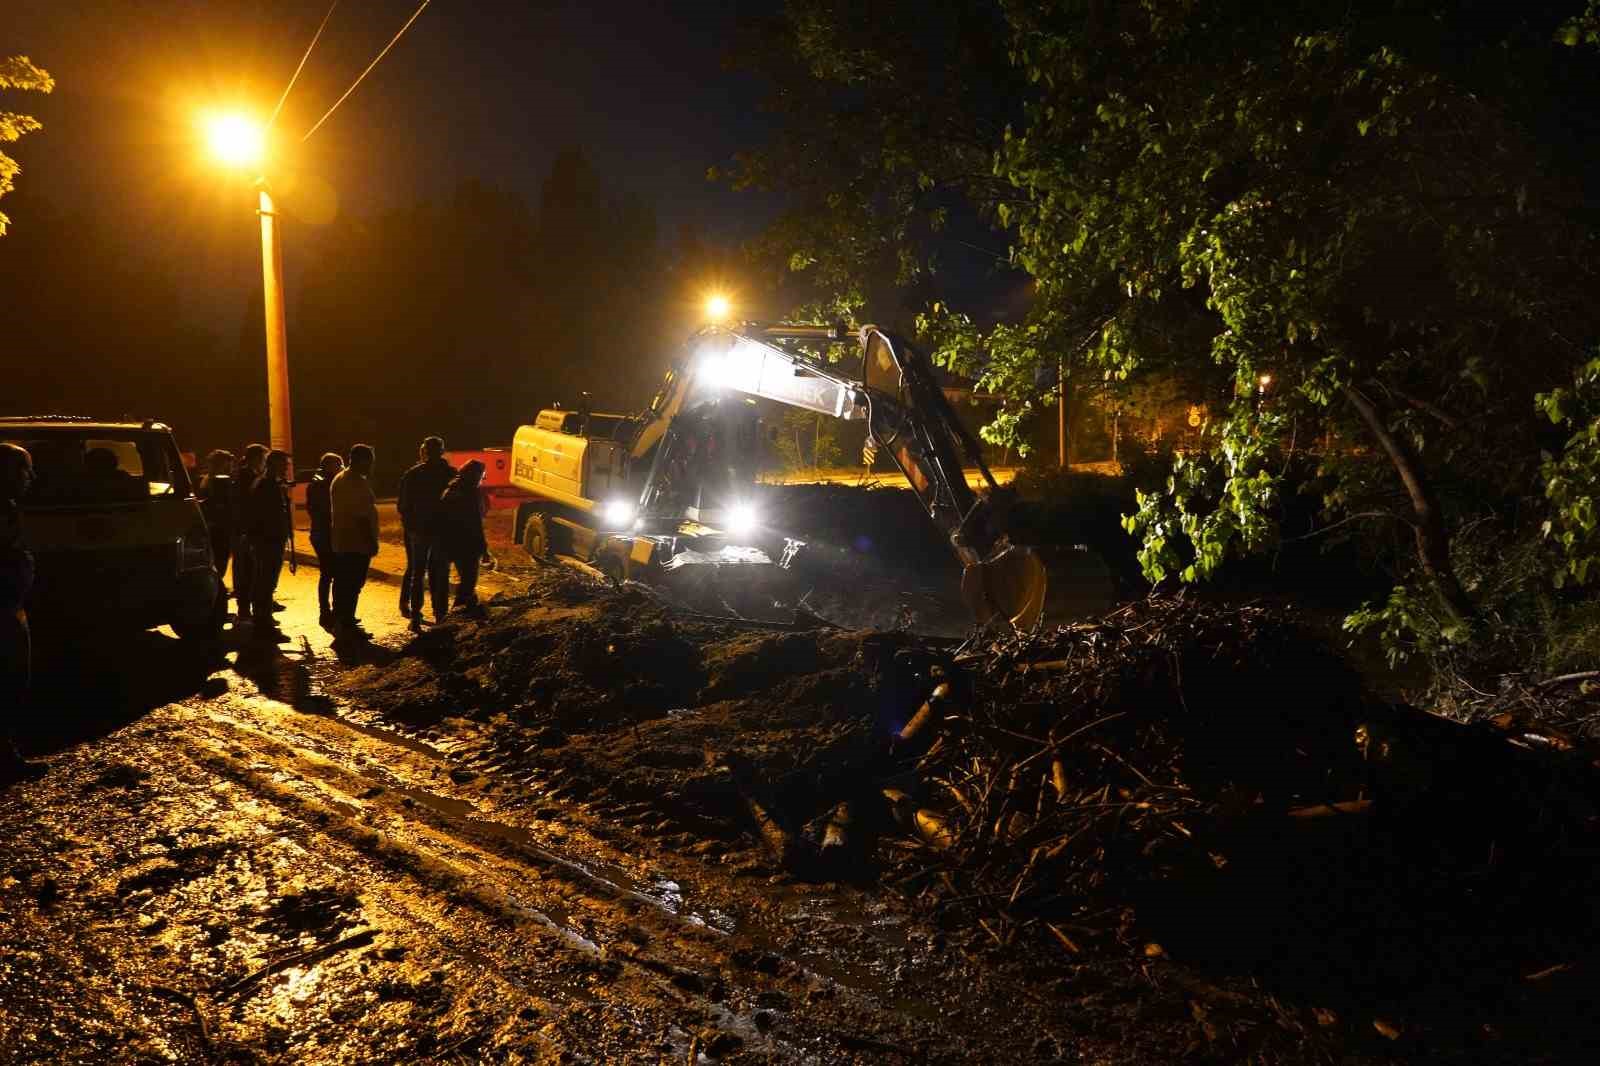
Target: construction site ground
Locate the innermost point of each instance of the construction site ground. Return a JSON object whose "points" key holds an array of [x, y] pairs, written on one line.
{"points": [[604, 824]]}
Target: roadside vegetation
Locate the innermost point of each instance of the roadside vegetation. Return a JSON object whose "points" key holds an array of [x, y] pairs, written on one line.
{"points": [[1357, 243]]}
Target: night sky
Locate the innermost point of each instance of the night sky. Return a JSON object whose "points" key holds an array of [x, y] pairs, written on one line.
{"points": [[489, 90]]}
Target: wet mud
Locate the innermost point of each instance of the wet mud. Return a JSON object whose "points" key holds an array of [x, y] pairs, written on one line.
{"points": [[599, 824]]}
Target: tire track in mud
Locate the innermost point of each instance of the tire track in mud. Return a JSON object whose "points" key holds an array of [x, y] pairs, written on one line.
{"points": [[649, 973]]}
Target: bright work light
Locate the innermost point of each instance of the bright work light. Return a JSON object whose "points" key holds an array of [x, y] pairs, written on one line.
{"points": [[618, 514], [743, 518]]}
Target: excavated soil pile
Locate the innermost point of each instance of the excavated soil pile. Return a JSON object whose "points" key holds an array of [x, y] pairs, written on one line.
{"points": [[610, 690], [1175, 780]]}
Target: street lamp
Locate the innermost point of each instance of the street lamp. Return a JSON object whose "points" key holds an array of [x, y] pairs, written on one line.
{"points": [[717, 307], [239, 142]]}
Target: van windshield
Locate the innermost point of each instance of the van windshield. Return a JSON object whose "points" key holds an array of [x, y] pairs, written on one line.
{"points": [[92, 465]]}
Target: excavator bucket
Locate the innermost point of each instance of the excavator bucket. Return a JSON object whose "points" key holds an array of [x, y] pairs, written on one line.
{"points": [[1011, 585]]}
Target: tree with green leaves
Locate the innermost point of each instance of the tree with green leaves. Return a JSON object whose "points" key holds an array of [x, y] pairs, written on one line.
{"points": [[17, 72], [1386, 208]]}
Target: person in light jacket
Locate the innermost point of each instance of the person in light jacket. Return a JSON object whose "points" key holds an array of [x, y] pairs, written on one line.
{"points": [[355, 535]]}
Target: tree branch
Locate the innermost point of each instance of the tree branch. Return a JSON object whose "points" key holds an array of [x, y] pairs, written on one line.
{"points": [[1427, 407], [1343, 521], [1433, 540]]}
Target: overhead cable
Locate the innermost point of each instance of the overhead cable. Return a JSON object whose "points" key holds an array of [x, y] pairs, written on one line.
{"points": [[364, 73], [296, 75]]}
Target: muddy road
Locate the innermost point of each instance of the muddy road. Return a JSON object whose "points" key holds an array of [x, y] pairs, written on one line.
{"points": [[594, 825], [223, 863]]}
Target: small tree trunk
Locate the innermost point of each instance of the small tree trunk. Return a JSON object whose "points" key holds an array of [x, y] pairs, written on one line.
{"points": [[1433, 540]]}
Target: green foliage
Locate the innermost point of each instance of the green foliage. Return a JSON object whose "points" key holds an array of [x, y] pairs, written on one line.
{"points": [[1572, 478], [806, 440], [1582, 29], [1382, 206], [17, 72], [1532, 628]]}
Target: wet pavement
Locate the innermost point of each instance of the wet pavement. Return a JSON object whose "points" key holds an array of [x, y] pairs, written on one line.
{"points": [[226, 863]]}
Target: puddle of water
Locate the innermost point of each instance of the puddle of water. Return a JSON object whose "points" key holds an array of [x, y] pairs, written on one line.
{"points": [[443, 804]]}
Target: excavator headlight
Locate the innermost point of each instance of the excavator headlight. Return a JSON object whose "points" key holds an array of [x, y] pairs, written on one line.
{"points": [[743, 518], [617, 514], [712, 368]]}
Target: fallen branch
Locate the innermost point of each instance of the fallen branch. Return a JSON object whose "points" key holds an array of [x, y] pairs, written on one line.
{"points": [[1567, 679], [189, 1000], [310, 955]]}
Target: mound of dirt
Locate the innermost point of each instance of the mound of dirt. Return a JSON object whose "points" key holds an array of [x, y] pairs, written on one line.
{"points": [[1175, 777]]}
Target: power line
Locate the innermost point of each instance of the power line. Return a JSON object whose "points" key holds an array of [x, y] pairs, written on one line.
{"points": [[364, 73], [296, 75]]}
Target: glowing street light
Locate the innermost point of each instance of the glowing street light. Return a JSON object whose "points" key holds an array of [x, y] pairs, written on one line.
{"points": [[236, 140], [717, 307], [240, 142]]}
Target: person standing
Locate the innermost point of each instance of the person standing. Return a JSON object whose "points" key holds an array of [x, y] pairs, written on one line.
{"points": [[216, 503], [16, 579], [355, 535], [460, 530], [427, 564], [319, 504], [268, 523], [252, 461]]}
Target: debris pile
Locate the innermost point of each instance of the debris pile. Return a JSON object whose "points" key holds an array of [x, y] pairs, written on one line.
{"points": [[1047, 773], [1177, 779]]}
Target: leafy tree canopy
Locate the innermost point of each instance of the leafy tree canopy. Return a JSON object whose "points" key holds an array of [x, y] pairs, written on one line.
{"points": [[1385, 208], [17, 72]]}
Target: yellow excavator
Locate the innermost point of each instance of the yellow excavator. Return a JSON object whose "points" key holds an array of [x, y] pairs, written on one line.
{"points": [[637, 494]]}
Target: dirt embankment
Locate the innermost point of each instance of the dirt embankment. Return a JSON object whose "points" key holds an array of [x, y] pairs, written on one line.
{"points": [[1193, 798]]}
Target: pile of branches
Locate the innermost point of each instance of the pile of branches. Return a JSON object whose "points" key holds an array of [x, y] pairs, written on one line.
{"points": [[1048, 774], [1565, 707]]}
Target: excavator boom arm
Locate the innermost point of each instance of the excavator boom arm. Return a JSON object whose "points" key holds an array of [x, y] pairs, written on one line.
{"points": [[908, 415]]}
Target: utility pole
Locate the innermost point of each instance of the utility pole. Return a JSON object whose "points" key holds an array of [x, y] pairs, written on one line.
{"points": [[280, 431], [1061, 413]]}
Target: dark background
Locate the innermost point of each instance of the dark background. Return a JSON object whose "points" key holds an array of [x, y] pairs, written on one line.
{"points": [[512, 208]]}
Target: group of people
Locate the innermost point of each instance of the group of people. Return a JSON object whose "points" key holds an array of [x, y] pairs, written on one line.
{"points": [[250, 519], [441, 512], [248, 511]]}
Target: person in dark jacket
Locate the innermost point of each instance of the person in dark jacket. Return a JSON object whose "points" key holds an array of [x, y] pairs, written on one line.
{"points": [[16, 579], [459, 525], [245, 472], [426, 563], [268, 523], [319, 504], [216, 503]]}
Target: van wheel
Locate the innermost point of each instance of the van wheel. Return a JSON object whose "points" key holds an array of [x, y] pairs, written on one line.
{"points": [[208, 631], [536, 537]]}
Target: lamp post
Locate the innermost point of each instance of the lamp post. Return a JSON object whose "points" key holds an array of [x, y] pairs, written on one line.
{"points": [[240, 142]]}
